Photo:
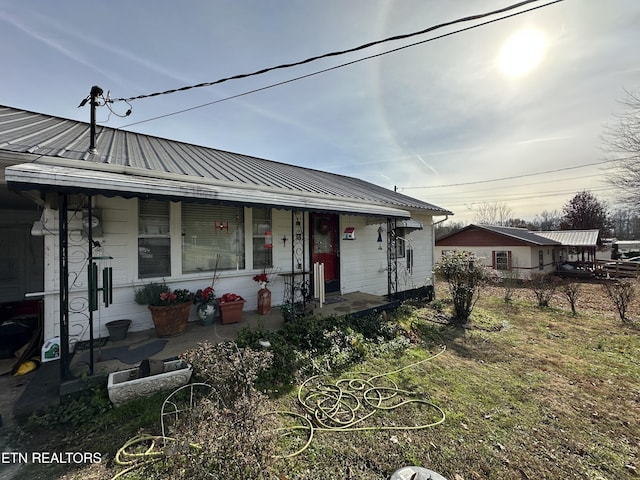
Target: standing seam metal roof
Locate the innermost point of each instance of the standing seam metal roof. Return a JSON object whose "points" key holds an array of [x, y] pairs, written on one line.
{"points": [[34, 133]]}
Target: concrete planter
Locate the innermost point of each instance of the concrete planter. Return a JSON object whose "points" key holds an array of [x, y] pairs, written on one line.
{"points": [[126, 385]]}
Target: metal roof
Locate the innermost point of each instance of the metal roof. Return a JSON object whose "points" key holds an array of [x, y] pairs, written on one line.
{"points": [[519, 233], [573, 238], [48, 141]]}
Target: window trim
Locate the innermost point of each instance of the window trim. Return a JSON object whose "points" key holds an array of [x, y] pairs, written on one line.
{"points": [[495, 263]]}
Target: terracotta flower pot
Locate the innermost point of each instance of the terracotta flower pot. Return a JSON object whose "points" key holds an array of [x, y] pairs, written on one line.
{"points": [[231, 312]]}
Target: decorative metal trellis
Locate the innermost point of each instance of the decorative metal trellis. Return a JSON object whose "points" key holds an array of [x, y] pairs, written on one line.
{"points": [[297, 288], [392, 258], [83, 272]]}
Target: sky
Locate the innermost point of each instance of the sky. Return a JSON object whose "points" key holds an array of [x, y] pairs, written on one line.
{"points": [[448, 121]]}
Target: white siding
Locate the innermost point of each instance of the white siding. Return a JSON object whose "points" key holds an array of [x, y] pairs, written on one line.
{"points": [[524, 259], [363, 267]]}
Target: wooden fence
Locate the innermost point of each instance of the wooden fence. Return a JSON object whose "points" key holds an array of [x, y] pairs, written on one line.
{"points": [[618, 269]]}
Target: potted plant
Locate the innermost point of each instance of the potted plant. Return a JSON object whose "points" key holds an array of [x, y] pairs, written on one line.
{"points": [[231, 306], [207, 306], [264, 294], [169, 309]]}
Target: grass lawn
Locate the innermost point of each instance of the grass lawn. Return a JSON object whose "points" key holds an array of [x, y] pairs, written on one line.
{"points": [[528, 393]]}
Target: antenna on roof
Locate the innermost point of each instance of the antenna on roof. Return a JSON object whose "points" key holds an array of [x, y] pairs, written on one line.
{"points": [[93, 98]]}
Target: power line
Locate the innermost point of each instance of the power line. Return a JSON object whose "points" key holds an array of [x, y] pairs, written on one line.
{"points": [[332, 54], [524, 175], [529, 197], [301, 77], [449, 194]]}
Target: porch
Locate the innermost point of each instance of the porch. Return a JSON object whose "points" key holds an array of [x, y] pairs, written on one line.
{"points": [[137, 346], [21, 396]]}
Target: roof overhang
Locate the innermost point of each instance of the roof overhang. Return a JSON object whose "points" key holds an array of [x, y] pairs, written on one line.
{"points": [[410, 223], [46, 177]]}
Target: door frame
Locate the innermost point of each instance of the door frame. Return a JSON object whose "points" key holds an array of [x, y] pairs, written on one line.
{"points": [[332, 285]]}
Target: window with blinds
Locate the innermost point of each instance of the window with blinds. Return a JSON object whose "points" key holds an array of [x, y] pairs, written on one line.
{"points": [[502, 260], [212, 234], [262, 239], [154, 242]]}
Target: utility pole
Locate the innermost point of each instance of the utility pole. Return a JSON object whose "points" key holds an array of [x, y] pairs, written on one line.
{"points": [[93, 100]]}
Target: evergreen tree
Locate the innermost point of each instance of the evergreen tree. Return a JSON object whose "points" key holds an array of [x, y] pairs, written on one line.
{"points": [[585, 212]]}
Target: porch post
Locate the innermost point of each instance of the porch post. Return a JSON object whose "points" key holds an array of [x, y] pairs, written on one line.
{"points": [[392, 261]]}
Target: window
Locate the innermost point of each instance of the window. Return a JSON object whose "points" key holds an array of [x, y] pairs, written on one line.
{"points": [[262, 239], [212, 236], [400, 237], [540, 259], [502, 260], [409, 255], [154, 242]]}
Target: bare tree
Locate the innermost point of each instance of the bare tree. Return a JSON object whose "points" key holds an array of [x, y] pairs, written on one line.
{"points": [[547, 220], [443, 229], [497, 213], [571, 291], [622, 142], [621, 294], [625, 224]]}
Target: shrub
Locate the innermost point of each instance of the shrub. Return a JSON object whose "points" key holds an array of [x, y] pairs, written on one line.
{"points": [[231, 371], [149, 293], [213, 442], [543, 286], [465, 274], [621, 293], [311, 345], [228, 433], [571, 290]]}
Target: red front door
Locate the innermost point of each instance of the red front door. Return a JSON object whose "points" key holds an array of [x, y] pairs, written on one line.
{"points": [[325, 248]]}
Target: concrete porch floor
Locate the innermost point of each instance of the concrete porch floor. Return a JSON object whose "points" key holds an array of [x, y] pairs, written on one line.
{"points": [[37, 390]]}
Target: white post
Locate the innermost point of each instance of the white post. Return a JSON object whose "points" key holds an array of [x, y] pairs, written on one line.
{"points": [[318, 282]]}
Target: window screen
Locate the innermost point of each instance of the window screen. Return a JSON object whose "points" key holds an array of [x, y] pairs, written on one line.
{"points": [[154, 242]]}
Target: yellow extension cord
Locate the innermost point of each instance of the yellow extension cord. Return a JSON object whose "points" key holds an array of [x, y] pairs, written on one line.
{"points": [[341, 406]]}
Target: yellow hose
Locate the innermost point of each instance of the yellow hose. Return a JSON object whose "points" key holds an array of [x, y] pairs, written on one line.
{"points": [[341, 406], [344, 405]]}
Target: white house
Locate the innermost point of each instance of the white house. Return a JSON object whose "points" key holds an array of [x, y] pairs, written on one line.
{"points": [[166, 210], [510, 251]]}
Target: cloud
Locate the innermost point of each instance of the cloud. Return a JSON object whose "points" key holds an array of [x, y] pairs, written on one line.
{"points": [[51, 43]]}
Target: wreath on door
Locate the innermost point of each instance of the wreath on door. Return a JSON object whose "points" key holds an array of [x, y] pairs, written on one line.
{"points": [[323, 227]]}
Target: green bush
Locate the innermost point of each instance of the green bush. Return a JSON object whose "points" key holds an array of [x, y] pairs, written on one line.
{"points": [[465, 274], [314, 344]]}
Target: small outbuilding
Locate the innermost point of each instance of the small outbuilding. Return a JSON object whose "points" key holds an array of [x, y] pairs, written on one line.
{"points": [[510, 251]]}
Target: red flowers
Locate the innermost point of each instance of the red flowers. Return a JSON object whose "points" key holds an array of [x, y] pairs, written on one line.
{"points": [[168, 297], [174, 298], [230, 297], [206, 295], [261, 278]]}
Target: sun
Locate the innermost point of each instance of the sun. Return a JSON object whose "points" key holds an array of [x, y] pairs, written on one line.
{"points": [[522, 52]]}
